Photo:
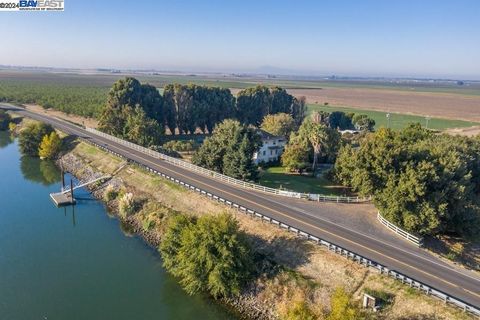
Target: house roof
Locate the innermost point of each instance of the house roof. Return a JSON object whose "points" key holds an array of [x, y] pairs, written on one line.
{"points": [[265, 135]]}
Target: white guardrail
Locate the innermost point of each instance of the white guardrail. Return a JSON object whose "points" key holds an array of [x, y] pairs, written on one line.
{"points": [[331, 246], [418, 241], [224, 178]]}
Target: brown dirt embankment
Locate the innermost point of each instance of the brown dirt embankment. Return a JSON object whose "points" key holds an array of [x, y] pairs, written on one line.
{"points": [[294, 269], [88, 122]]}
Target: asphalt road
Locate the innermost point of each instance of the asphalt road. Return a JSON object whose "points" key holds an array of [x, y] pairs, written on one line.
{"points": [[459, 283]]}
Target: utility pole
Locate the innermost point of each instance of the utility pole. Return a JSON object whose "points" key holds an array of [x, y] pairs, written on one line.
{"points": [[426, 122], [388, 120]]}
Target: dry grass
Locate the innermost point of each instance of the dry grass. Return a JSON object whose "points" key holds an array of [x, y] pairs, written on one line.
{"points": [[467, 132], [310, 273], [97, 158]]}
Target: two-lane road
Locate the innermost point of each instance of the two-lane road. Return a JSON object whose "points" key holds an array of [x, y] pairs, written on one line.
{"points": [[459, 283]]}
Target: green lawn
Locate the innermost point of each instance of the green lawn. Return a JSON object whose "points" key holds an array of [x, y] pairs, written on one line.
{"points": [[397, 120], [276, 177]]}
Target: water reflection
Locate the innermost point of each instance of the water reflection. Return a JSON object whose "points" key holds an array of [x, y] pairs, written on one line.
{"points": [[5, 139], [72, 209], [44, 172]]}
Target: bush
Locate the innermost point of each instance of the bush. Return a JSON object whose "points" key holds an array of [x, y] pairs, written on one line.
{"points": [[154, 215], [180, 145], [300, 310], [209, 254], [341, 306], [12, 126], [110, 193], [127, 205]]}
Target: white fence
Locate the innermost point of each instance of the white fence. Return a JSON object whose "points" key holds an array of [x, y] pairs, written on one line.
{"points": [[224, 178], [331, 246], [410, 237]]}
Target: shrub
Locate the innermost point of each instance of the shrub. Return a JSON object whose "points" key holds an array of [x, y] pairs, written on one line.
{"points": [[147, 224], [180, 145], [127, 205], [12, 126], [342, 307], [110, 193], [300, 310]]}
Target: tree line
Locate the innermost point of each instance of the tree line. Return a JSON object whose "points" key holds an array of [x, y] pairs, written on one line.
{"points": [[185, 109]]}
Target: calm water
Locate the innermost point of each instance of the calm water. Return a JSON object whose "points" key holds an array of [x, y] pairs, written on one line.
{"points": [[76, 262]]}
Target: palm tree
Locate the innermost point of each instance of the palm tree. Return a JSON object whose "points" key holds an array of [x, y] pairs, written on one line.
{"points": [[317, 134]]}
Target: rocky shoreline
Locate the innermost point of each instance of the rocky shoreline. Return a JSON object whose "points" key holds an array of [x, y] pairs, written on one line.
{"points": [[246, 306]]}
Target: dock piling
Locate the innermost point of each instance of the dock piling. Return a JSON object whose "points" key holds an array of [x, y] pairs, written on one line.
{"points": [[63, 180], [71, 190]]}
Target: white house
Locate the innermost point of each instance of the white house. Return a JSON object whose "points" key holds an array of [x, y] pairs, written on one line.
{"points": [[271, 149]]}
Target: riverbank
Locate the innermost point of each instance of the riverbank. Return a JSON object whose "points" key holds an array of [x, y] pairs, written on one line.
{"points": [[294, 271], [77, 262]]}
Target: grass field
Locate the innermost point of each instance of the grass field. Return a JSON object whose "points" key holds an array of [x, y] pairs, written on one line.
{"points": [[397, 120], [276, 177]]}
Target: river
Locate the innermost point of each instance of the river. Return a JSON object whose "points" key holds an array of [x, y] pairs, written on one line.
{"points": [[77, 262]]}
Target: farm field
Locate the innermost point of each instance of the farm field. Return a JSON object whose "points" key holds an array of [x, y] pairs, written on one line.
{"points": [[440, 105], [397, 120], [106, 79], [85, 93]]}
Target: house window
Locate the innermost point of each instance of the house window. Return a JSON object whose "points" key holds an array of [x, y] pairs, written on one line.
{"points": [[271, 152], [264, 152]]}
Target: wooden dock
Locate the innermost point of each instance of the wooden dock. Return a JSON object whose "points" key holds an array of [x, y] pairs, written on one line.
{"points": [[62, 199], [66, 197]]}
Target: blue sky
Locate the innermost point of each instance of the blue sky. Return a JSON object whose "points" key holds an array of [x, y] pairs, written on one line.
{"points": [[385, 38]]}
